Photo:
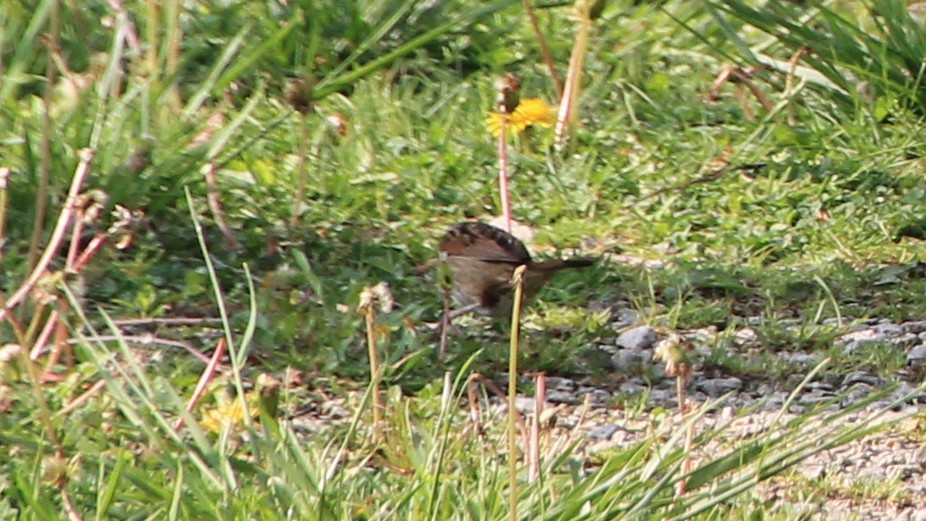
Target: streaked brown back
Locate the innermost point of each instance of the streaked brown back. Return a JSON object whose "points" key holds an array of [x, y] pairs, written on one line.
{"points": [[484, 242]]}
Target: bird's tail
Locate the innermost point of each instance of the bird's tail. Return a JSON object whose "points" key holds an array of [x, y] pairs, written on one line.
{"points": [[559, 264]]}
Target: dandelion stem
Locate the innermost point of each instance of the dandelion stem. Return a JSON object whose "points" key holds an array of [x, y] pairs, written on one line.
{"points": [[503, 173], [513, 393], [370, 318]]}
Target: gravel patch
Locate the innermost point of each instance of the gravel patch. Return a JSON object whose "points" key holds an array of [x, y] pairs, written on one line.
{"points": [[879, 477]]}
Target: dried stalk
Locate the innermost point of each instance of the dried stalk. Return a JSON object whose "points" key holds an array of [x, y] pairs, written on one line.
{"points": [[64, 219], [568, 110], [544, 48], [149, 339], [371, 297], [370, 317], [533, 446]]}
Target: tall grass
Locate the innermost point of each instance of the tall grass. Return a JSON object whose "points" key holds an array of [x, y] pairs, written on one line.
{"points": [[142, 100], [860, 53]]}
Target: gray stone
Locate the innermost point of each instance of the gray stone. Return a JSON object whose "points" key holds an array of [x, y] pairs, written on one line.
{"points": [[917, 356], [904, 340], [889, 329], [908, 394], [717, 387], [623, 318], [628, 359], [799, 358], [860, 377], [854, 396], [640, 337], [812, 472], [632, 386], [303, 424], [916, 327], [662, 397], [821, 387], [567, 397], [745, 336], [878, 405], [523, 404], [853, 346], [556, 383], [815, 397], [603, 432], [657, 372], [778, 399], [702, 335], [861, 336], [597, 397]]}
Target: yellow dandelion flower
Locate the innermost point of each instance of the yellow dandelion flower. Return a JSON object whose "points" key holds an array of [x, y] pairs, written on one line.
{"points": [[231, 413], [530, 111], [494, 122], [535, 111], [214, 420]]}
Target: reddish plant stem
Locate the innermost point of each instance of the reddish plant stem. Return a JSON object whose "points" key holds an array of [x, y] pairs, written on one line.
{"points": [[39, 346], [76, 402], [76, 231], [204, 380], [215, 205], [57, 235], [176, 321], [503, 173], [475, 413], [501, 395], [61, 346], [95, 244], [131, 36]]}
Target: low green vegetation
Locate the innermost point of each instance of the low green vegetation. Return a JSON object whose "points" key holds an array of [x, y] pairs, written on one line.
{"points": [[253, 167]]}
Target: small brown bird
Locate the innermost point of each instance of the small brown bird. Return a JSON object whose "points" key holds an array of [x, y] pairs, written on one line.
{"points": [[482, 259]]}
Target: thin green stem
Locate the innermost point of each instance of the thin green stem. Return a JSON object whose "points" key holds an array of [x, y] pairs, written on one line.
{"points": [[41, 195], [513, 393]]}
